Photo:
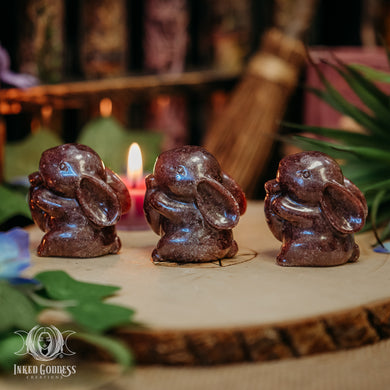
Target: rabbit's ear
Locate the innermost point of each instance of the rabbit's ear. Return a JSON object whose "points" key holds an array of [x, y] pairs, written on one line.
{"points": [[355, 190], [343, 209], [120, 189], [217, 205], [98, 201], [235, 190], [152, 216]]}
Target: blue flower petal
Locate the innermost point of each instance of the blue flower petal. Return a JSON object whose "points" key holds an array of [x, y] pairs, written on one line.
{"points": [[14, 253], [24, 281], [383, 249]]}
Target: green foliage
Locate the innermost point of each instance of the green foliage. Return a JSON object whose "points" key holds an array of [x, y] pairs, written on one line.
{"points": [[365, 157], [8, 346], [372, 74], [12, 203], [60, 286], [92, 317], [17, 311], [85, 301], [97, 316], [111, 141], [22, 158], [105, 135]]}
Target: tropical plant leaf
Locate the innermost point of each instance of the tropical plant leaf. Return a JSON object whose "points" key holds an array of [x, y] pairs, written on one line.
{"points": [[307, 143], [385, 233], [365, 158], [357, 151], [366, 85], [371, 73], [383, 217], [374, 212], [378, 185], [344, 136], [338, 102], [364, 174], [376, 100]]}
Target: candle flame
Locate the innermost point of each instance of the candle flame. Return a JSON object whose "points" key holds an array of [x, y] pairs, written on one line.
{"points": [[105, 107], [134, 164]]}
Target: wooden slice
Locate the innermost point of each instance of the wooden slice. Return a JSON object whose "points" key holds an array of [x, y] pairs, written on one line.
{"points": [[251, 310]]}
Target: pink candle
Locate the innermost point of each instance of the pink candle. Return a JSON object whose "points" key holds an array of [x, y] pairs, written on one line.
{"points": [[135, 183]]}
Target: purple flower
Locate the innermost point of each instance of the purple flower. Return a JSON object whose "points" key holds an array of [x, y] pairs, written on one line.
{"points": [[16, 79], [14, 253]]}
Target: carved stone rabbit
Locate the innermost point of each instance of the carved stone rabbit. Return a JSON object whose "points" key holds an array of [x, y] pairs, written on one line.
{"points": [[193, 205], [76, 201], [313, 209]]}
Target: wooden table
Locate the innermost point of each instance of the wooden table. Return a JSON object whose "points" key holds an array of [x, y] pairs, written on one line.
{"points": [[250, 309]]}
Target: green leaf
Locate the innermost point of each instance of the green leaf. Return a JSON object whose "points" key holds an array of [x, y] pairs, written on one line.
{"points": [[17, 311], [60, 286], [12, 203], [371, 73], [378, 185], [115, 348], [364, 172], [357, 151], [22, 158], [338, 102], [344, 136], [385, 234], [376, 100], [374, 211], [86, 309], [111, 141], [365, 89], [384, 216], [98, 316], [8, 346], [367, 86]]}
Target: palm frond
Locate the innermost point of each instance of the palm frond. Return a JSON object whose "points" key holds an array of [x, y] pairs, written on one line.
{"points": [[372, 74], [365, 158]]}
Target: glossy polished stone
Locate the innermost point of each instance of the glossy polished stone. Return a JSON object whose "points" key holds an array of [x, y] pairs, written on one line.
{"points": [[193, 206], [76, 201], [314, 210]]}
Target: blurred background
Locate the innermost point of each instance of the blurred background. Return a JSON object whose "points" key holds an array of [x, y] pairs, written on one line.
{"points": [[159, 72]]}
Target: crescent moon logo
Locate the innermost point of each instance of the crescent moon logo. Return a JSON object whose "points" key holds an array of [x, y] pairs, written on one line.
{"points": [[44, 343]]}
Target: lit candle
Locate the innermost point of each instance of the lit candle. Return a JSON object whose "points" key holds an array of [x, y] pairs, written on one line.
{"points": [[135, 183]]}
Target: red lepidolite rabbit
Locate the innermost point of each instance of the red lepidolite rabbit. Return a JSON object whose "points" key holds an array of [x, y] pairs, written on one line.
{"points": [[313, 209]]}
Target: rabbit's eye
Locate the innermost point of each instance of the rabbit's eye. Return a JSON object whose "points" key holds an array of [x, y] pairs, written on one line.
{"points": [[181, 170], [306, 174]]}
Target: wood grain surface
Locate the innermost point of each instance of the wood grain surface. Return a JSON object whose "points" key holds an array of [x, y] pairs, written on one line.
{"points": [[248, 309]]}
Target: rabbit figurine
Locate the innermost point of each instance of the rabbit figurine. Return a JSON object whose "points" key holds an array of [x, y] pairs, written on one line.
{"points": [[76, 201], [193, 206], [314, 210]]}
